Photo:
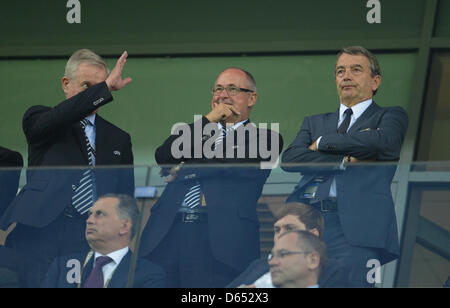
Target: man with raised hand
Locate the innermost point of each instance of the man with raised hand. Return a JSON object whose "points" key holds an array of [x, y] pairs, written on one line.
{"points": [[51, 210]]}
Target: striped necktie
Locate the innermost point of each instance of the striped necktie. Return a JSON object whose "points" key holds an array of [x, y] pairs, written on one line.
{"points": [[85, 194], [192, 199], [223, 133]]}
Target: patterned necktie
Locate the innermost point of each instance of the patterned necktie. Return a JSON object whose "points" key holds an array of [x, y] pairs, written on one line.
{"points": [[96, 279], [193, 197], [85, 194], [222, 135]]}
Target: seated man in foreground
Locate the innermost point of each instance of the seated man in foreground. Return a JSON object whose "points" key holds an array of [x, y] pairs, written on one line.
{"points": [[112, 224]]}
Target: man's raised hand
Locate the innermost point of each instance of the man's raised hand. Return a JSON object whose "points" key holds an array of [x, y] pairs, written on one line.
{"points": [[114, 80]]}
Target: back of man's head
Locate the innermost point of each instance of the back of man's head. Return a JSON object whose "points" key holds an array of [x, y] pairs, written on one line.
{"points": [[306, 214]]}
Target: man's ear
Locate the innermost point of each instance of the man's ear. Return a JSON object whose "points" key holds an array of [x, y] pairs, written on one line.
{"points": [[65, 84], [314, 231], [253, 98], [313, 260], [126, 227], [376, 82]]}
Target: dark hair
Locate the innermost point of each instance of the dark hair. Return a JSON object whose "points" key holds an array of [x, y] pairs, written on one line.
{"points": [[127, 209], [307, 241], [309, 216], [358, 50]]}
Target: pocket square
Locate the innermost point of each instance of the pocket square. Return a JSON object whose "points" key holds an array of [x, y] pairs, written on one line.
{"points": [[117, 153], [364, 130]]}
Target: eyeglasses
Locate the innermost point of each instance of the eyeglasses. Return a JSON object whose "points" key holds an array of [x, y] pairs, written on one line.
{"points": [[283, 253], [231, 90]]}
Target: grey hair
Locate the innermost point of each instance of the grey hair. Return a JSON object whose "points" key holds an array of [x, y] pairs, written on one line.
{"points": [[127, 209], [83, 56]]}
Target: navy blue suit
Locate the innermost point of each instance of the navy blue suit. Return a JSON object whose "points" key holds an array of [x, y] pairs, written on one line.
{"points": [[9, 179], [55, 139], [365, 204], [332, 276], [147, 274], [231, 235]]}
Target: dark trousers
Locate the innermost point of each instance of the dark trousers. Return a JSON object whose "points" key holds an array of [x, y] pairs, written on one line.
{"points": [[353, 258], [186, 256], [39, 247]]}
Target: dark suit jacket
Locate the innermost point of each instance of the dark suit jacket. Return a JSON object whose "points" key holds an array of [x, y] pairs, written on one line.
{"points": [[231, 196], [9, 179], [333, 275], [147, 274], [55, 139], [365, 204]]}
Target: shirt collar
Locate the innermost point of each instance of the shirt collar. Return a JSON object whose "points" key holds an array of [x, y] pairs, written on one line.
{"points": [[117, 255], [91, 119], [235, 125], [358, 109]]}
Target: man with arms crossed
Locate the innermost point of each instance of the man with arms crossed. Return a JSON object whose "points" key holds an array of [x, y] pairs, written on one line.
{"points": [[356, 201]]}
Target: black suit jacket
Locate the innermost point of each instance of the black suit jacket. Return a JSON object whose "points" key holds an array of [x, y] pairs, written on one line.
{"points": [[9, 179], [147, 274], [333, 275], [366, 208], [231, 196], [55, 139]]}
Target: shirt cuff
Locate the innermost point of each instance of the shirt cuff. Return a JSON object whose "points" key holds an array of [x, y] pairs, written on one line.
{"points": [[318, 141]]}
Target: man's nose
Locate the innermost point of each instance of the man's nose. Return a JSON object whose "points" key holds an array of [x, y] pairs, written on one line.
{"points": [[224, 94], [347, 75], [90, 220], [273, 262]]}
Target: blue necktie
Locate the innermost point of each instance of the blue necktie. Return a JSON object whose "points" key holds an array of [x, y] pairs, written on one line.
{"points": [[323, 189]]}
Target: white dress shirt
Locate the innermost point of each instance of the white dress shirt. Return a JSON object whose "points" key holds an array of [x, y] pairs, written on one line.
{"points": [[265, 281], [358, 110], [108, 269], [89, 130], [234, 126]]}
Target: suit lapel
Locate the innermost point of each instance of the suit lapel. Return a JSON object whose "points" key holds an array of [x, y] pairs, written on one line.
{"points": [[372, 109], [101, 140], [81, 140], [87, 270], [331, 122], [119, 278]]}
